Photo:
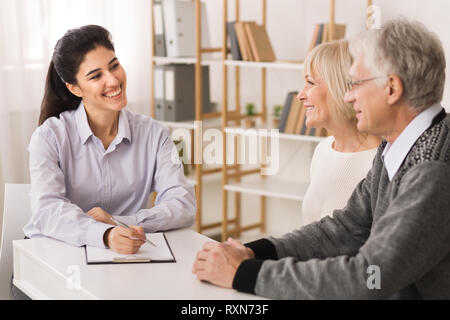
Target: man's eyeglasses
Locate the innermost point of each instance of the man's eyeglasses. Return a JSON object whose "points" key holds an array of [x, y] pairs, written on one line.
{"points": [[352, 83]]}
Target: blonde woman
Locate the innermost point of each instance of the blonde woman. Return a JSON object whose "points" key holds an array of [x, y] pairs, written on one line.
{"points": [[343, 159]]}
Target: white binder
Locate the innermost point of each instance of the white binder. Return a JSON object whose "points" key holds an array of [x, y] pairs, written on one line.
{"points": [[158, 19], [179, 18], [160, 95], [179, 27]]}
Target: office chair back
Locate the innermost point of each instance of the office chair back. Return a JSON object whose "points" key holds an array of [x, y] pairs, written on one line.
{"points": [[17, 212]]}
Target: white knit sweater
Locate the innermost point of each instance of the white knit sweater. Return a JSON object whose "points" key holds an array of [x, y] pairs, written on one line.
{"points": [[334, 176]]}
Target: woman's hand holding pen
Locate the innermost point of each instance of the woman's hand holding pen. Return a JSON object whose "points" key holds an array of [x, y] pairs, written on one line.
{"points": [[119, 239], [123, 240]]}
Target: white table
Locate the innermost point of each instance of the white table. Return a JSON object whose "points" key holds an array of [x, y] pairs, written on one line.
{"points": [[45, 268]]}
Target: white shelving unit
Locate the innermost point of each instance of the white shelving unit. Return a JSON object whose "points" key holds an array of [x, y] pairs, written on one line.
{"points": [[266, 132], [190, 125], [281, 185], [267, 65], [184, 60], [203, 56], [271, 187], [214, 177]]}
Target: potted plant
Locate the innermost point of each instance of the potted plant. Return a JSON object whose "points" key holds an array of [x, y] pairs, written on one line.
{"points": [[277, 112], [250, 121]]}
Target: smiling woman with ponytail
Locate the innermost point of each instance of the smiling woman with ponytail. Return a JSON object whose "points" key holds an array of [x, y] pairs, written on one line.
{"points": [[68, 54], [91, 159]]}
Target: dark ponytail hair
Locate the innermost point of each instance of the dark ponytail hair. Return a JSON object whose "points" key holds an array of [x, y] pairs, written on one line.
{"points": [[69, 53]]}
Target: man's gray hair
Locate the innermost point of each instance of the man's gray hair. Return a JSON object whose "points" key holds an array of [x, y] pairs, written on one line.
{"points": [[409, 50]]}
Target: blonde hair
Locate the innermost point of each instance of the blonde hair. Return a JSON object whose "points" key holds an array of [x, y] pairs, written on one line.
{"points": [[331, 62]]}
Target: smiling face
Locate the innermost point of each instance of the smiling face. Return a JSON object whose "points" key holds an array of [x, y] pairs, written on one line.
{"points": [[314, 96], [101, 81], [370, 101]]}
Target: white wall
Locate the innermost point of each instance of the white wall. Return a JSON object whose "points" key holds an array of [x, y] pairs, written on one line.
{"points": [[433, 14]]}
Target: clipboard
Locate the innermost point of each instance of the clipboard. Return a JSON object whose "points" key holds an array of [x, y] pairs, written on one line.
{"points": [[146, 254]]}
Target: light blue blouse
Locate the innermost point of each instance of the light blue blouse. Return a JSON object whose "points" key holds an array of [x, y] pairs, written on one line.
{"points": [[71, 173]]}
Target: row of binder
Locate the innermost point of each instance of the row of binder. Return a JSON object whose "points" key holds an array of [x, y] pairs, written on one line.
{"points": [[174, 28], [175, 92]]}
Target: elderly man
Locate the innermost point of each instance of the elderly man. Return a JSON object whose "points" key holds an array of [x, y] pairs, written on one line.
{"points": [[392, 240]]}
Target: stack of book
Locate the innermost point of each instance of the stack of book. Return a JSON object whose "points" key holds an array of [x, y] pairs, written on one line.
{"points": [[322, 34], [250, 42], [293, 118]]}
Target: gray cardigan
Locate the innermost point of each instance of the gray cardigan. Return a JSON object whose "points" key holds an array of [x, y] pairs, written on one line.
{"points": [[400, 228]]}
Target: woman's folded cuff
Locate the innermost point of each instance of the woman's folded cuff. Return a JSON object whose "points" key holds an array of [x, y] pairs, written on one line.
{"points": [[95, 232]]}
